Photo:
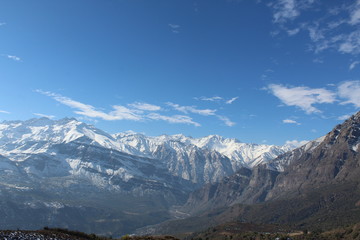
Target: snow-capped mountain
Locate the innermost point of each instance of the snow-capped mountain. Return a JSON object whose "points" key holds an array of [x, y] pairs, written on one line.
{"points": [[67, 173], [51, 170], [200, 160]]}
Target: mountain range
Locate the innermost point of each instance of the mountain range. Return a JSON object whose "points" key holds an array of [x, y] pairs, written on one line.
{"points": [[70, 174], [66, 173]]}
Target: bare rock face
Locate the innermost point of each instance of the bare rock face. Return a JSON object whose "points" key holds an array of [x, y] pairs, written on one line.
{"points": [[246, 186]]}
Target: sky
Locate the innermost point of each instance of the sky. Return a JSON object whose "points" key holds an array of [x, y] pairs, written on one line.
{"points": [[266, 72]]}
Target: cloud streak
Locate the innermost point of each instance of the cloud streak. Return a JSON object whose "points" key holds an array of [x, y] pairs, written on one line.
{"points": [[145, 106], [211, 99], [6, 112], [173, 119], [135, 112], [13, 57], [231, 100], [290, 121], [203, 112], [192, 109], [44, 115]]}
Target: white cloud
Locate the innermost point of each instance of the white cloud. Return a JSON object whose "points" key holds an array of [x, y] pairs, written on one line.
{"points": [[226, 120], [191, 109], [44, 115], [2, 24], [2, 111], [353, 65], [302, 97], [173, 119], [296, 143], [119, 112], [290, 121], [13, 57], [145, 106], [350, 90], [231, 100]]}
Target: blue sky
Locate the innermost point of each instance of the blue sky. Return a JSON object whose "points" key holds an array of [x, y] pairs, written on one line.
{"points": [[260, 71]]}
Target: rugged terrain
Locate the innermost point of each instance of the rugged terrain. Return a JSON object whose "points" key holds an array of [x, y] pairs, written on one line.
{"points": [[68, 174], [316, 187]]}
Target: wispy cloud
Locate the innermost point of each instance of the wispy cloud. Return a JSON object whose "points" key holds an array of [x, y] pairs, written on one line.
{"points": [[353, 65], [44, 115], [211, 99], [145, 106], [231, 100], [293, 32], [2, 111], [192, 109], [12, 57], [137, 111], [285, 10], [288, 10], [119, 112], [217, 99], [226, 120], [350, 90], [173, 119], [2, 24], [290, 121], [174, 27], [302, 97], [355, 14], [334, 28], [203, 112]]}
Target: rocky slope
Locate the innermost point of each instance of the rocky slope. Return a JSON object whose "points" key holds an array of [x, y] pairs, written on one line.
{"points": [[317, 186]]}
